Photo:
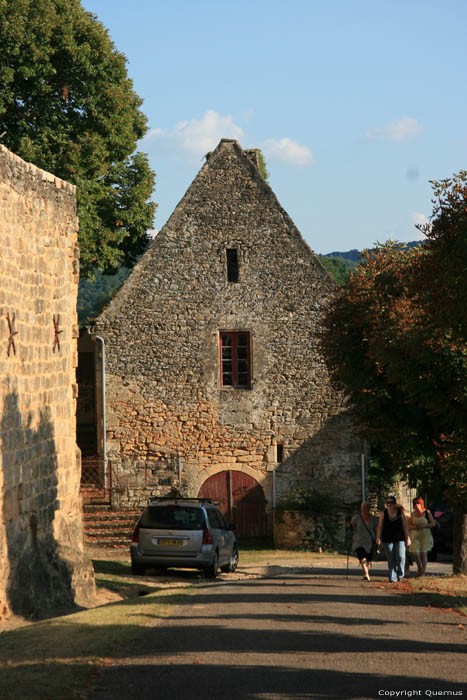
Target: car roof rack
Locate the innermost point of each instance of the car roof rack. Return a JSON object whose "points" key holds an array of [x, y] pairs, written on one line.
{"points": [[155, 499]]}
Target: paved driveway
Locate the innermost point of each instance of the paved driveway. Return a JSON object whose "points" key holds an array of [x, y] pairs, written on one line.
{"points": [[306, 633]]}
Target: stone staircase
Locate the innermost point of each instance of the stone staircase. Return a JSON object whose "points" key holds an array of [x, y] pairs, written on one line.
{"points": [[106, 528]]}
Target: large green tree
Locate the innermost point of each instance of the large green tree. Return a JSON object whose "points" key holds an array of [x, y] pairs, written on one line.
{"points": [[395, 341], [68, 106]]}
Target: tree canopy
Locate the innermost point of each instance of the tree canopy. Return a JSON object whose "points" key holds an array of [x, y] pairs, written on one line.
{"points": [[395, 339], [68, 106]]}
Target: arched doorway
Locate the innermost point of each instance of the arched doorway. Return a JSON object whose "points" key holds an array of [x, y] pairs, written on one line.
{"points": [[240, 498]]}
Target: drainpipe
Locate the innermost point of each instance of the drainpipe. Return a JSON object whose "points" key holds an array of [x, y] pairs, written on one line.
{"points": [[104, 417], [363, 477], [274, 505]]}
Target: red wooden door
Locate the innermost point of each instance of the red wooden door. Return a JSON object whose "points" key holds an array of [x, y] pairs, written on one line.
{"points": [[240, 498]]}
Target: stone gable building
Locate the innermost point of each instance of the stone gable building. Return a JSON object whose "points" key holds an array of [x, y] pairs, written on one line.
{"points": [[42, 564], [214, 381]]}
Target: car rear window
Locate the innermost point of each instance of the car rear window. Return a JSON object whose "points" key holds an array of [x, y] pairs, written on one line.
{"points": [[172, 518]]}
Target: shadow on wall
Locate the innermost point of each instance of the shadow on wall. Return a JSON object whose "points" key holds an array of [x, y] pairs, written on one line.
{"points": [[329, 462], [39, 581]]}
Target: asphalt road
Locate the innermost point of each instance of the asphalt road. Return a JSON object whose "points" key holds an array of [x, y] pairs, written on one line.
{"points": [[306, 633]]}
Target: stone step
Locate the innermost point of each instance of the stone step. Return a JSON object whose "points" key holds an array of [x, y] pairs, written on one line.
{"points": [[110, 528], [108, 543], [106, 528], [98, 538], [107, 517], [103, 541]]}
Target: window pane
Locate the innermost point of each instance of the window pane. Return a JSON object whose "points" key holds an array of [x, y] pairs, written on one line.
{"points": [[235, 367], [242, 366], [172, 518], [242, 379]]}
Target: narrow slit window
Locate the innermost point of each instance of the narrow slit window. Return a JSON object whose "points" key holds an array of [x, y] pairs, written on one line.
{"points": [[279, 453], [235, 359], [232, 265]]}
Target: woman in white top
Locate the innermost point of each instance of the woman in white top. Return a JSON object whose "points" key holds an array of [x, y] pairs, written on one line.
{"points": [[364, 536]]}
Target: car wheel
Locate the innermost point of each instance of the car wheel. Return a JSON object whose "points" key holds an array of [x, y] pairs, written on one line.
{"points": [[138, 569], [232, 565], [213, 569]]}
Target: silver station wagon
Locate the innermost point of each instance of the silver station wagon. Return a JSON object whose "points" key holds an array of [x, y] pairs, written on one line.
{"points": [[188, 533]]}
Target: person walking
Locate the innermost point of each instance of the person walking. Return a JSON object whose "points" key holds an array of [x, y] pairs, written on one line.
{"points": [[364, 537], [420, 524], [393, 533]]}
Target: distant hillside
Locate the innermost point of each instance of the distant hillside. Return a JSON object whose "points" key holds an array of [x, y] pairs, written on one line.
{"points": [[354, 254], [338, 267], [340, 264]]}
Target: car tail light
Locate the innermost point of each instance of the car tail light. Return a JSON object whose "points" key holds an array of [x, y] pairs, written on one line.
{"points": [[207, 537], [135, 536]]}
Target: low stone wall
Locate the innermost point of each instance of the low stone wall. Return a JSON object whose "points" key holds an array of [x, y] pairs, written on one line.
{"points": [[300, 529], [42, 563]]}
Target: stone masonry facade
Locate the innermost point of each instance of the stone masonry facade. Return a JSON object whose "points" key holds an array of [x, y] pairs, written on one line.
{"points": [[170, 421], [42, 564]]}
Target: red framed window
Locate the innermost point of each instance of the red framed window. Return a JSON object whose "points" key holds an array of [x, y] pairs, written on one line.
{"points": [[235, 359]]}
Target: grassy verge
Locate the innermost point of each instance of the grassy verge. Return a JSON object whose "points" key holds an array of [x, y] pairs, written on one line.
{"points": [[57, 659], [447, 592], [250, 554]]}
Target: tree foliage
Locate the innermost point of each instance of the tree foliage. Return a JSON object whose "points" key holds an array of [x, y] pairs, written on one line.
{"points": [[68, 106], [339, 268], [396, 341], [94, 294]]}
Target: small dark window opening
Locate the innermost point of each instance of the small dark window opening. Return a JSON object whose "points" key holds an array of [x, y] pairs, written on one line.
{"points": [[279, 453], [232, 265]]}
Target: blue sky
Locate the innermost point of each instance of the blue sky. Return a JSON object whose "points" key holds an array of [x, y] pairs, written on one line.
{"points": [[356, 105]]}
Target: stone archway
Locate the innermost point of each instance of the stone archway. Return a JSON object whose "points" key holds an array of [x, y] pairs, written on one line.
{"points": [[240, 498]]}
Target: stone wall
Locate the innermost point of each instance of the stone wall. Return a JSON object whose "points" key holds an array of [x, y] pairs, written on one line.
{"points": [[169, 421], [42, 566]]}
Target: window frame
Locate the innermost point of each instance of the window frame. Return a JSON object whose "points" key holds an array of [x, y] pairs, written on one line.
{"points": [[234, 335]]}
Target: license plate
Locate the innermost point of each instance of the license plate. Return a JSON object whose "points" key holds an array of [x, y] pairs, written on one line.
{"points": [[169, 543]]}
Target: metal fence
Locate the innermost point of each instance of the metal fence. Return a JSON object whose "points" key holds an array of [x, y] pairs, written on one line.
{"points": [[96, 479]]}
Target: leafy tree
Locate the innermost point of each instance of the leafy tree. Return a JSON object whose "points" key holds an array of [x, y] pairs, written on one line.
{"points": [[94, 294], [68, 106], [339, 268], [405, 367]]}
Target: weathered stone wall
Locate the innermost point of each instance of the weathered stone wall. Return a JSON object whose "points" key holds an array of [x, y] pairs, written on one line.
{"points": [[42, 566], [301, 529], [168, 420]]}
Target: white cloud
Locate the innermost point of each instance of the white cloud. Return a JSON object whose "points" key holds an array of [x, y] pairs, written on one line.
{"points": [[397, 130], [420, 220], [195, 137], [287, 151]]}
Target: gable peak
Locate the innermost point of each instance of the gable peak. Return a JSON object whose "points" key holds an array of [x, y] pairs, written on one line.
{"points": [[232, 145]]}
